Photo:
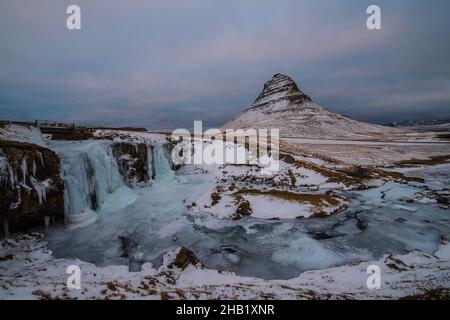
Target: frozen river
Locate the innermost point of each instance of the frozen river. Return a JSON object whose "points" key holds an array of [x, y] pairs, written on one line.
{"points": [[154, 219]]}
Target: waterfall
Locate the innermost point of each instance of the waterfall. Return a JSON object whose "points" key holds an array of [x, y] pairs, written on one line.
{"points": [[90, 172], [163, 173]]}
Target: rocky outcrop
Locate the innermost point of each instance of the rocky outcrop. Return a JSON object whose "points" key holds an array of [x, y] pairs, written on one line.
{"points": [[32, 192], [168, 147], [182, 258], [132, 160], [280, 88]]}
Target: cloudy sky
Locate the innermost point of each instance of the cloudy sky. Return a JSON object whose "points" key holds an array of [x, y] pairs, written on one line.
{"points": [[162, 64]]}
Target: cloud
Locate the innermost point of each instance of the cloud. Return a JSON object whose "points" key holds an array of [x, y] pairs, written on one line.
{"points": [[163, 64]]}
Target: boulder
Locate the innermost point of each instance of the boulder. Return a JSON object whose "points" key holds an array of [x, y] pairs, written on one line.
{"points": [[183, 258]]}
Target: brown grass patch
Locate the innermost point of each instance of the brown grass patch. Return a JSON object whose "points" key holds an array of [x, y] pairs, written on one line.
{"points": [[314, 199], [432, 294], [433, 161]]}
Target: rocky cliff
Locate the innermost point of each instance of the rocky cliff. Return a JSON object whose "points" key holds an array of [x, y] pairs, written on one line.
{"points": [[132, 160], [32, 192]]}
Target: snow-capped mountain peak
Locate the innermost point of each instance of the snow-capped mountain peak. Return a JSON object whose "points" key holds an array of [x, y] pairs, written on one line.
{"points": [[280, 88], [282, 105]]}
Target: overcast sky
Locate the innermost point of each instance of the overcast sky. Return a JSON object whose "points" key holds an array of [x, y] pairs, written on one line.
{"points": [[162, 64]]}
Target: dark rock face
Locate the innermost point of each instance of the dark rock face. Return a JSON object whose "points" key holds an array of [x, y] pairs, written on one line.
{"points": [[280, 87], [168, 147], [184, 258], [30, 186], [287, 158], [68, 133], [244, 209], [132, 160]]}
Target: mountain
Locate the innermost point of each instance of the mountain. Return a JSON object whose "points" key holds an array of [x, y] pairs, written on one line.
{"points": [[284, 106], [416, 123]]}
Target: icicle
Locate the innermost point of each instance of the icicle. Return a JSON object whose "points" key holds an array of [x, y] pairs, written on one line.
{"points": [[5, 170], [41, 158], [16, 204], [46, 222], [6, 228], [24, 168], [41, 188]]}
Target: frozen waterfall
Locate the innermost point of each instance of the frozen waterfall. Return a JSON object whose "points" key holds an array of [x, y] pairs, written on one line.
{"points": [[91, 173], [163, 173]]}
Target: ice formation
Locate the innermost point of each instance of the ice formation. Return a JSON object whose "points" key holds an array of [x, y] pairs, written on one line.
{"points": [[91, 173]]}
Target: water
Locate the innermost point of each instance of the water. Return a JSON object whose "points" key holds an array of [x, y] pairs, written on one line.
{"points": [[156, 220]]}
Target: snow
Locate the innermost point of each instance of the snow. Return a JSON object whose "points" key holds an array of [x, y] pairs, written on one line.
{"points": [[269, 208], [136, 136], [363, 143], [22, 133]]}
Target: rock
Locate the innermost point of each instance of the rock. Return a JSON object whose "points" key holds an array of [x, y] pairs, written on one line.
{"points": [[129, 245], [132, 159], [184, 257], [395, 263], [287, 158], [7, 257], [215, 197], [30, 185], [244, 209], [280, 88], [169, 146], [444, 200]]}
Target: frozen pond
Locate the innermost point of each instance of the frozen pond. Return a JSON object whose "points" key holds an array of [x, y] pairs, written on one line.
{"points": [[154, 220]]}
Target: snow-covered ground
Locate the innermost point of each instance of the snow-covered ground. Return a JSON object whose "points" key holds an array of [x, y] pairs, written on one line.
{"points": [[269, 243], [28, 270], [22, 133], [136, 136], [367, 153]]}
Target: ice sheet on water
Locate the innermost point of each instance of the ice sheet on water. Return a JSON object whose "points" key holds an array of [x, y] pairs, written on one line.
{"points": [[306, 253]]}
